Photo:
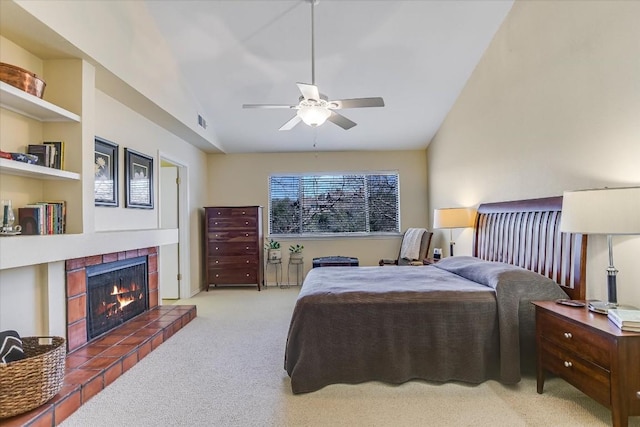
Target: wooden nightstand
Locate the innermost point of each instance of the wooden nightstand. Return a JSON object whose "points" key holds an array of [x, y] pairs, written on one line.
{"points": [[592, 354]]}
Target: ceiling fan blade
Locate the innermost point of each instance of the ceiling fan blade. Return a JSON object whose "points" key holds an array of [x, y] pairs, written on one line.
{"points": [[268, 106], [357, 103], [309, 91], [341, 121], [291, 123]]}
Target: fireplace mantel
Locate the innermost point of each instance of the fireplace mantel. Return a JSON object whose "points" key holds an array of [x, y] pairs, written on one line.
{"points": [[18, 251]]}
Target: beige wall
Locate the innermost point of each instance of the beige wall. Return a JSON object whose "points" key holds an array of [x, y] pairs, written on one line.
{"points": [[136, 132], [243, 179], [552, 106]]}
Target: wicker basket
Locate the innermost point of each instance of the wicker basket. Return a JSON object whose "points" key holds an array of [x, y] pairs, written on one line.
{"points": [[28, 383], [22, 79]]}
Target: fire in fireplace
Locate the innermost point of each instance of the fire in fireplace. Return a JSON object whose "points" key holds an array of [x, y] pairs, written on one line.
{"points": [[116, 292]]}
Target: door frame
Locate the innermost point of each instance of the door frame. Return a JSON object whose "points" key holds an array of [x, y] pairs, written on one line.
{"points": [[183, 222]]}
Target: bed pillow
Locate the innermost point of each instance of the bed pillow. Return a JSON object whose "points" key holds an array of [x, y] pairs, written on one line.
{"points": [[491, 273], [10, 347]]}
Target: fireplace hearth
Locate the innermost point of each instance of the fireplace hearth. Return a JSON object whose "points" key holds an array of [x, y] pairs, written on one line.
{"points": [[116, 292]]}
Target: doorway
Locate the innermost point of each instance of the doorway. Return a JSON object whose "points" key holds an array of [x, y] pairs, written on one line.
{"points": [[173, 269]]}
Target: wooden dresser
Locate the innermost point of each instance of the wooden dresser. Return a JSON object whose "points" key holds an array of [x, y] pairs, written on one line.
{"points": [[591, 353], [233, 252]]}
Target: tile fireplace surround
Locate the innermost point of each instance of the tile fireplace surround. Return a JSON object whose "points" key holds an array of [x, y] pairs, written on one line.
{"points": [[92, 366]]}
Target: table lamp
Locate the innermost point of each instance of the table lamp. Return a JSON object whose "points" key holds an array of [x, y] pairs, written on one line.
{"points": [[608, 211], [453, 218]]}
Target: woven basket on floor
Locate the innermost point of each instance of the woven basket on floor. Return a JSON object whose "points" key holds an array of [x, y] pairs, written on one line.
{"points": [[28, 383]]}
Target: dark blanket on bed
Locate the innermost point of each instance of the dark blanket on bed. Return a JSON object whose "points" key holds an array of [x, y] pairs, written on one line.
{"points": [[394, 324]]}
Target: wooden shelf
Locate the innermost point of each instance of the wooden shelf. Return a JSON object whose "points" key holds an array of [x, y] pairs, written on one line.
{"points": [[12, 167], [21, 102]]}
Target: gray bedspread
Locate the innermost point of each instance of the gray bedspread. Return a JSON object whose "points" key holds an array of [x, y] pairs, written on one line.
{"points": [[462, 319]]}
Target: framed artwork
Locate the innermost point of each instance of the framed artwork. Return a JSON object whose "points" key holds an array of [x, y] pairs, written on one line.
{"points": [[105, 167], [138, 175]]}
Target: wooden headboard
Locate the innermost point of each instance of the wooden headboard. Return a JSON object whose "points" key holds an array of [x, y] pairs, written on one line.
{"points": [[527, 233]]}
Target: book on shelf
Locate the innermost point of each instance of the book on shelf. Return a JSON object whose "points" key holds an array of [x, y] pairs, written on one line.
{"points": [[58, 159], [29, 220], [41, 151], [625, 319]]}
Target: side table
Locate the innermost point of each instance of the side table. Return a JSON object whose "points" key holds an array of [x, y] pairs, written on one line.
{"points": [[591, 353]]}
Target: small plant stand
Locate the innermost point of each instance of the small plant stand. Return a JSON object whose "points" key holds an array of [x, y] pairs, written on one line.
{"points": [[277, 267], [298, 265]]}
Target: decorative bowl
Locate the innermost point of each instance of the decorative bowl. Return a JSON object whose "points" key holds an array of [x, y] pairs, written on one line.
{"points": [[22, 79]]}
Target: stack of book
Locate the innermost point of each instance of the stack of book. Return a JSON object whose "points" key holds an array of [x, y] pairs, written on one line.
{"points": [[49, 153], [627, 320], [43, 218]]}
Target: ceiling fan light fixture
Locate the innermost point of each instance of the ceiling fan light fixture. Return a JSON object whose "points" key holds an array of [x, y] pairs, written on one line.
{"points": [[314, 115]]}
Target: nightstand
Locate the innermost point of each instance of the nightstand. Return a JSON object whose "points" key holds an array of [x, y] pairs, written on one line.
{"points": [[591, 353], [428, 261]]}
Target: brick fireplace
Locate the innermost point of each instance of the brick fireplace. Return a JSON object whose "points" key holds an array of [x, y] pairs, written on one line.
{"points": [[77, 292], [92, 365]]}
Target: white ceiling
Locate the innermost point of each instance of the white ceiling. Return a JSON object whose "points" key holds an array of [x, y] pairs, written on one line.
{"points": [[417, 55]]}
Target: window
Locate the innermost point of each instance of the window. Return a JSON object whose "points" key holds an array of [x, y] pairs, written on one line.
{"points": [[346, 204]]}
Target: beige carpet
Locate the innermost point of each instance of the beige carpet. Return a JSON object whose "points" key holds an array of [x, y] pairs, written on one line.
{"points": [[225, 368]]}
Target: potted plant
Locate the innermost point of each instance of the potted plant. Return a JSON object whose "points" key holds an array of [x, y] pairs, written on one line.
{"points": [[295, 252], [273, 250]]}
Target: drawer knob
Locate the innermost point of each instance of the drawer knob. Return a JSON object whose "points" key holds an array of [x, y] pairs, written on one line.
{"points": [[638, 394], [247, 248], [216, 261], [246, 222], [215, 223], [247, 261], [568, 335], [216, 249], [247, 235], [217, 275], [568, 364], [242, 212], [247, 274]]}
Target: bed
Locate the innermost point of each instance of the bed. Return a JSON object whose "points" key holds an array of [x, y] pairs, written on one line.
{"points": [[463, 319]]}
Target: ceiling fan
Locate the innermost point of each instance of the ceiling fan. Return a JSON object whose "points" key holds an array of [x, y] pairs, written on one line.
{"points": [[314, 108]]}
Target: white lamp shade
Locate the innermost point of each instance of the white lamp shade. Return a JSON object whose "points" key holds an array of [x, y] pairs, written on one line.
{"points": [[453, 218], [314, 115], [601, 211]]}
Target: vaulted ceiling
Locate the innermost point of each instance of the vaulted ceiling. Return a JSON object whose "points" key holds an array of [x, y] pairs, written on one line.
{"points": [[417, 55]]}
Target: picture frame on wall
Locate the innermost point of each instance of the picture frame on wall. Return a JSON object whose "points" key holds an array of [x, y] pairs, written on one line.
{"points": [[105, 188], [138, 180]]}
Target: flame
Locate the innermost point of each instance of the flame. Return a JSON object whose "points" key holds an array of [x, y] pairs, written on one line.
{"points": [[123, 300]]}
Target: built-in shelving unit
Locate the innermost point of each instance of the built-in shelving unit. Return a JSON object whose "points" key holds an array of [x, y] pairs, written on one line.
{"points": [[55, 123], [31, 106]]}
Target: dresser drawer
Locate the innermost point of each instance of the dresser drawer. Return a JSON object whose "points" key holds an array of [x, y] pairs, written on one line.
{"points": [[230, 212], [217, 249], [239, 261], [584, 375], [232, 276], [575, 338], [232, 223], [232, 236]]}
